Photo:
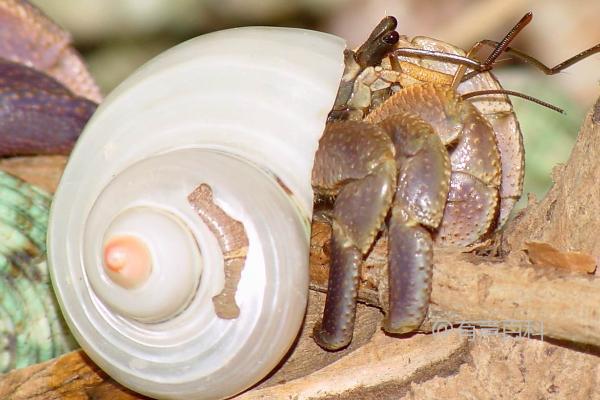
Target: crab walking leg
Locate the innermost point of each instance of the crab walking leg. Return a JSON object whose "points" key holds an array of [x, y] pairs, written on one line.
{"points": [[423, 183], [355, 161], [410, 272], [469, 212], [473, 197]]}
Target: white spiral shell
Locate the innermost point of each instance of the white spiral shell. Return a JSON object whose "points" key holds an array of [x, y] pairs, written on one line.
{"points": [[241, 111]]}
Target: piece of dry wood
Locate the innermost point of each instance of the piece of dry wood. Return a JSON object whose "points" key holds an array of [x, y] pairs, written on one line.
{"points": [[72, 376], [382, 361], [567, 218], [540, 253], [469, 288], [42, 171]]}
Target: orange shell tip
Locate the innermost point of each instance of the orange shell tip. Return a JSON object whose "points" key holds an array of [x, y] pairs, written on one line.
{"points": [[127, 261]]}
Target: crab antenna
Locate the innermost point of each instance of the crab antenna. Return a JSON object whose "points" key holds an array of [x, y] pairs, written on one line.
{"points": [[537, 63], [523, 22], [439, 55], [499, 49], [512, 93]]}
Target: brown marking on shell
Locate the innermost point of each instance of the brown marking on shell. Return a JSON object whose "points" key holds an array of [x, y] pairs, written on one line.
{"points": [[285, 187], [233, 241], [469, 212], [28, 37]]}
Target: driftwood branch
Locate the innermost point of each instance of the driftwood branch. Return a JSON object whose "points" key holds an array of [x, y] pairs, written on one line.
{"points": [[568, 217], [469, 288], [466, 288], [72, 376]]}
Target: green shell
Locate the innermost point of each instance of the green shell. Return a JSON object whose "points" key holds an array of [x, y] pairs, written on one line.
{"points": [[31, 327]]}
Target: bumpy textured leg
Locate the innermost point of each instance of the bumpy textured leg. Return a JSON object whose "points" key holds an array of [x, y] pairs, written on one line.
{"points": [[355, 161], [472, 205], [410, 272], [423, 183], [472, 202]]}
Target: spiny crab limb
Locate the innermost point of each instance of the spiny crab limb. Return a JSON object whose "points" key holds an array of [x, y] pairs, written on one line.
{"points": [[233, 241], [423, 167], [423, 184], [475, 153], [431, 103], [410, 271], [355, 160], [511, 154], [413, 117], [497, 110], [469, 213]]}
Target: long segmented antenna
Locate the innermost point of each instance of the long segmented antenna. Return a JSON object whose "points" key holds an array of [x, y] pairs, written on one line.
{"points": [[439, 55], [519, 55], [512, 93], [499, 49], [523, 22]]}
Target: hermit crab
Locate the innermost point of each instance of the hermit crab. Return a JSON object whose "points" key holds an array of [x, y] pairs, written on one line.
{"points": [[178, 238], [404, 148]]}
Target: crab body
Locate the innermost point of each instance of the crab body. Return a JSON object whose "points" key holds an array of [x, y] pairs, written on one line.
{"points": [[411, 156]]}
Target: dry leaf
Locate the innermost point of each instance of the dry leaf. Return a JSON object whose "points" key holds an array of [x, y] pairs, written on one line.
{"points": [[544, 254]]}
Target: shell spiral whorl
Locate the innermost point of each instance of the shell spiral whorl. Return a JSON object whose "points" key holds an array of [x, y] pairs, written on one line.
{"points": [[31, 327], [230, 123]]}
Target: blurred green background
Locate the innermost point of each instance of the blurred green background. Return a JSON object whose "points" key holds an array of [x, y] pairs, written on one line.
{"points": [[116, 36]]}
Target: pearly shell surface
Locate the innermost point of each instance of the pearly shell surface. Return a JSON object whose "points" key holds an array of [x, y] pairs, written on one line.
{"points": [[31, 327], [242, 111]]}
